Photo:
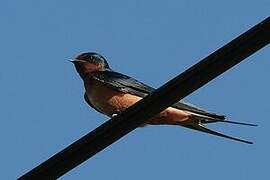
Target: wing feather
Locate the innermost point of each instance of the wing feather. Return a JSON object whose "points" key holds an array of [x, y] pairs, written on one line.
{"points": [[125, 83]]}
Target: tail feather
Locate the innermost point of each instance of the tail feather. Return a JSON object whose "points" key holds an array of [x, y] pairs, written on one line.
{"points": [[208, 119], [199, 122], [201, 128], [230, 122]]}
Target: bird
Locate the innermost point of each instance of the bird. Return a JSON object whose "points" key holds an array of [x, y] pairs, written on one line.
{"points": [[110, 93]]}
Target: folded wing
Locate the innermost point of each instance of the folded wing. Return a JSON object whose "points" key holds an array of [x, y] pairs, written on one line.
{"points": [[127, 84]]}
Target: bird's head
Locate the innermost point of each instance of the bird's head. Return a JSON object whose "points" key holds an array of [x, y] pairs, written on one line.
{"points": [[89, 62]]}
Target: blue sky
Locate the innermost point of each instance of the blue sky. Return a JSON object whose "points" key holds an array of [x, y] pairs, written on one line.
{"points": [[42, 107]]}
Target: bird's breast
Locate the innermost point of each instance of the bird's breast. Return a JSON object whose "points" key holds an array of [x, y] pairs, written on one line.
{"points": [[107, 99]]}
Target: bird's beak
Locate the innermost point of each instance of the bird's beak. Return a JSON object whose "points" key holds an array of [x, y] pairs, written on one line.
{"points": [[74, 61]]}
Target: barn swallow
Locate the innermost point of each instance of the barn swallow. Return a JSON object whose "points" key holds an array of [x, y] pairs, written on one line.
{"points": [[110, 93]]}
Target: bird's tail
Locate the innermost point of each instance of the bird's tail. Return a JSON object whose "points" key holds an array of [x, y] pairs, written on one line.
{"points": [[209, 119], [198, 122]]}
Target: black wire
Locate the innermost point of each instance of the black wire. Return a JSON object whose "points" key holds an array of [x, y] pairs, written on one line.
{"points": [[171, 92]]}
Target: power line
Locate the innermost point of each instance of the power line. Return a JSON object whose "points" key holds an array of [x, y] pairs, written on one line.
{"points": [[171, 92]]}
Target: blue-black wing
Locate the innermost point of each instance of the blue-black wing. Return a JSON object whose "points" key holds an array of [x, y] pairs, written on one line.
{"points": [[130, 85], [123, 83]]}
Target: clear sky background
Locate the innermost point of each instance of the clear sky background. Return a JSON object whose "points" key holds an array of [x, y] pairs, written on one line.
{"points": [[42, 107]]}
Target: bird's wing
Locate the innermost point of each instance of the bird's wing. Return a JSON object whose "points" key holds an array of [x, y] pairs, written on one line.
{"points": [[196, 111], [127, 84], [202, 128], [123, 83]]}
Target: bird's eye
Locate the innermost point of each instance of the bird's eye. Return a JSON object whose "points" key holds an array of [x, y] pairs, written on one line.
{"points": [[91, 58]]}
